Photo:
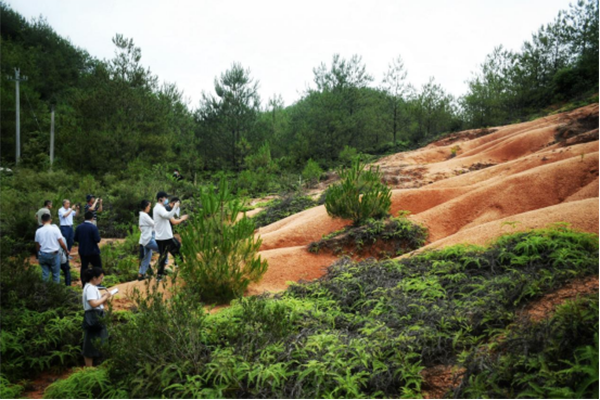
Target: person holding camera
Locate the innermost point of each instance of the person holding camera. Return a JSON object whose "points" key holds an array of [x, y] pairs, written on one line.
{"points": [[164, 231], [94, 206], [65, 215]]}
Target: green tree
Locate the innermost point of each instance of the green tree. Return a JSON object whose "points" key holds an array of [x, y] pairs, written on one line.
{"points": [[229, 118], [432, 110], [220, 250], [488, 101], [395, 85]]}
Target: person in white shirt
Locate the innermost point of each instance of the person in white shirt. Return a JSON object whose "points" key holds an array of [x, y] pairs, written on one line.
{"points": [[93, 302], [48, 240], [147, 241], [163, 230], [66, 214]]}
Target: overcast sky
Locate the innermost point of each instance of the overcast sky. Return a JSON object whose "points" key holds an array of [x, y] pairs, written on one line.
{"points": [[193, 41]]}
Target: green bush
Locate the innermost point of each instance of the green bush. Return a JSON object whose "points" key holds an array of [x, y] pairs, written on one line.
{"points": [[220, 251], [551, 358], [85, 383], [9, 390], [348, 155], [120, 260], [312, 172], [41, 322], [360, 195]]}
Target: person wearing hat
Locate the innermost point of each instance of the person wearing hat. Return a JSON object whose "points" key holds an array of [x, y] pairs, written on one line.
{"points": [[164, 231], [93, 205]]}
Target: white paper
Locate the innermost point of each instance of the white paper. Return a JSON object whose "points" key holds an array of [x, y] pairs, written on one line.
{"points": [[114, 291]]}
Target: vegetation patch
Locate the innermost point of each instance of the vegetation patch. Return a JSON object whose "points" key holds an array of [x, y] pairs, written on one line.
{"points": [[377, 238], [41, 323], [220, 251], [580, 130], [120, 259], [477, 166], [553, 358], [283, 208], [360, 195], [370, 329]]}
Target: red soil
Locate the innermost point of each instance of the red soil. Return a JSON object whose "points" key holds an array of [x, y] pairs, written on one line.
{"points": [[532, 182]]}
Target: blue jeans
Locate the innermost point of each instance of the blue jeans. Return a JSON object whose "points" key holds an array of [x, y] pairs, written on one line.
{"points": [[67, 232], [50, 264], [146, 255]]}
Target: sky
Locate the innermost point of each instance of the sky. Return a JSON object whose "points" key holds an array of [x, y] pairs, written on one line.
{"points": [[192, 42]]}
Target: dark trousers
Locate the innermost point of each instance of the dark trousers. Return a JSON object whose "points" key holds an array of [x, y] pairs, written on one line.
{"points": [[93, 259], [165, 247], [67, 232], [66, 269]]}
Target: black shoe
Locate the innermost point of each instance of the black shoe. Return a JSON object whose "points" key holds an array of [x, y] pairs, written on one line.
{"points": [[141, 277]]}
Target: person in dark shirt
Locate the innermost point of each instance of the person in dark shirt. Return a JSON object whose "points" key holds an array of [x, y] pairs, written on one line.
{"points": [[178, 177], [88, 237], [93, 205]]}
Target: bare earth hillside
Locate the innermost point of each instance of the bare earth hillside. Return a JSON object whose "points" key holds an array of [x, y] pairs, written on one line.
{"points": [[470, 187]]}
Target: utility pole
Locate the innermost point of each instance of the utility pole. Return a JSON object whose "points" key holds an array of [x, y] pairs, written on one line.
{"points": [[52, 136], [18, 79]]}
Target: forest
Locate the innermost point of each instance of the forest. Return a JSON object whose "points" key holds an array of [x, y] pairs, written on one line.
{"points": [[367, 328]]}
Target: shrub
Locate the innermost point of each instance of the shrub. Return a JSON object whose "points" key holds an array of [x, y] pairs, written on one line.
{"points": [[120, 260], [85, 383], [348, 155], [552, 358], [312, 172], [9, 390], [360, 195], [220, 251], [41, 322], [391, 237]]}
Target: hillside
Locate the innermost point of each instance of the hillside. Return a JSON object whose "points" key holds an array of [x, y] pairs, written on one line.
{"points": [[502, 180]]}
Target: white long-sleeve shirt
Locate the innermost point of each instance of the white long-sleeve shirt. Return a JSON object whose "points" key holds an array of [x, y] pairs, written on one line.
{"points": [[146, 226], [66, 216], [162, 227]]}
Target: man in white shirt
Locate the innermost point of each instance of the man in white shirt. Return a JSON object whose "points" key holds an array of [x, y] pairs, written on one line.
{"points": [[48, 240], [66, 214], [163, 230]]}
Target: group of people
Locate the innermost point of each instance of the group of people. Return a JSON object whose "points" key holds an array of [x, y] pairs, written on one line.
{"points": [[157, 232], [54, 243]]}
